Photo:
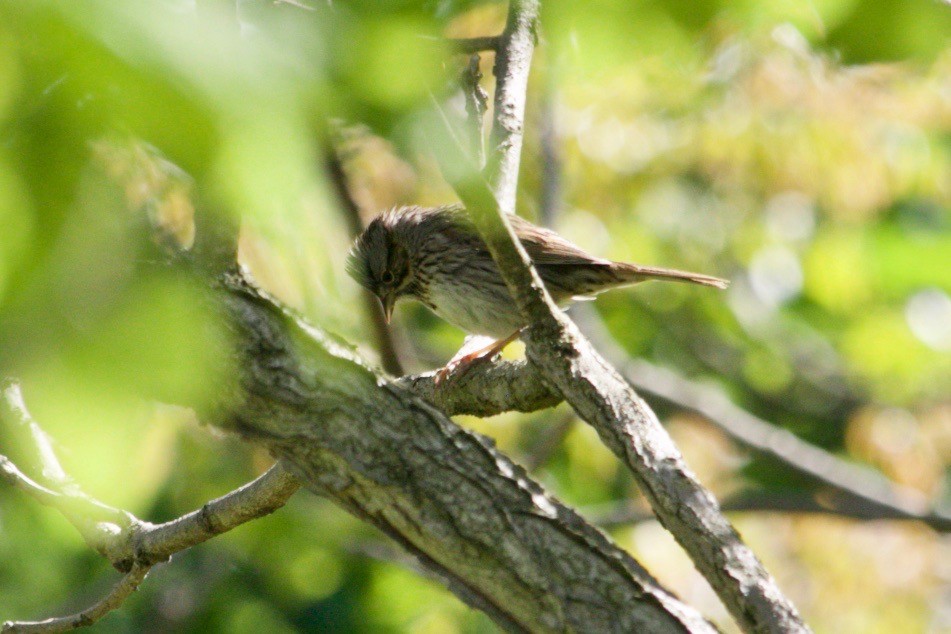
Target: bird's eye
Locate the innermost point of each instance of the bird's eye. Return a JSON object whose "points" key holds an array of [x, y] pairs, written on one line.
{"points": [[387, 277]]}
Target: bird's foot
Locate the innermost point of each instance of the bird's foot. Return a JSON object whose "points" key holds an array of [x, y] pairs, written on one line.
{"points": [[476, 348]]}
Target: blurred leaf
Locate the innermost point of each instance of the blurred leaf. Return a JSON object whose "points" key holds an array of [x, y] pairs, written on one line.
{"points": [[885, 30]]}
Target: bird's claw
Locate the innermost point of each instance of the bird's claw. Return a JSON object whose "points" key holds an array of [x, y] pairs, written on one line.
{"points": [[473, 351], [460, 366]]}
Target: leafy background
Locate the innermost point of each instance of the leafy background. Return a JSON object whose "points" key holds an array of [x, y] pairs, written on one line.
{"points": [[802, 149]]}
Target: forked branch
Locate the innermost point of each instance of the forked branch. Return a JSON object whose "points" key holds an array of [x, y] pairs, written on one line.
{"points": [[570, 365]]}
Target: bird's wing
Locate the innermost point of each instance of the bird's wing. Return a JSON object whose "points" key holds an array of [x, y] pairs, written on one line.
{"points": [[546, 247], [548, 250]]}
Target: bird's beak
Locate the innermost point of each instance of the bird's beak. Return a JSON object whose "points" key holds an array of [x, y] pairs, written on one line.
{"points": [[388, 301]]}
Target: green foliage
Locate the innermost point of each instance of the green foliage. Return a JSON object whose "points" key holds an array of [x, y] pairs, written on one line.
{"points": [[801, 149]]}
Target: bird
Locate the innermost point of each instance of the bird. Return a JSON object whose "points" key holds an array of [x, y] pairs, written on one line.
{"points": [[435, 255]]}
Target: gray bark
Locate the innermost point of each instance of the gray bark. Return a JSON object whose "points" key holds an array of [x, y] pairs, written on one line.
{"points": [[468, 514], [512, 62], [571, 367]]}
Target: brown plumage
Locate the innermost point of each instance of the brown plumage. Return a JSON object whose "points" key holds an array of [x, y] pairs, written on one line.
{"points": [[436, 256]]}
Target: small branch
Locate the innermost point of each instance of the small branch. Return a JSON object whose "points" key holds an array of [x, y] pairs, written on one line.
{"points": [[513, 60], [80, 511], [101, 526], [477, 102], [44, 458], [112, 601], [470, 45], [484, 390], [550, 197], [825, 503], [262, 496], [130, 544], [389, 357]]}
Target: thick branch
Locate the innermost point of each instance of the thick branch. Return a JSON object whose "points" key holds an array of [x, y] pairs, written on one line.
{"points": [[463, 510], [485, 390], [630, 429], [847, 489]]}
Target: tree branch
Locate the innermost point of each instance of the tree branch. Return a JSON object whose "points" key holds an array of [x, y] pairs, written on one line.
{"points": [[389, 357], [100, 525], [485, 389], [470, 45], [112, 601], [262, 496], [848, 489], [462, 509], [824, 503], [131, 545], [465, 512], [513, 59], [864, 488], [476, 104], [594, 389]]}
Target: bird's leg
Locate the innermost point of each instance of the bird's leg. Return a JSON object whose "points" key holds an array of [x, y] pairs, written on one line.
{"points": [[474, 349]]}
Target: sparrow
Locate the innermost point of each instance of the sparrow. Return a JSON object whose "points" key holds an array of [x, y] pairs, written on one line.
{"points": [[436, 256]]}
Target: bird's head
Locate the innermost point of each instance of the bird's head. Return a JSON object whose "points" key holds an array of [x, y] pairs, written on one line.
{"points": [[380, 264]]}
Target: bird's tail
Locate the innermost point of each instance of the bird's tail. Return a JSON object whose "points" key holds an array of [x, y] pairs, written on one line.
{"points": [[634, 273]]}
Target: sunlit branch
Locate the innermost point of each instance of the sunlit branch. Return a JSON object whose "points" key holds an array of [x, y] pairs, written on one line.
{"points": [[100, 525], [112, 601], [460, 507], [848, 489], [593, 387], [130, 544], [513, 60]]}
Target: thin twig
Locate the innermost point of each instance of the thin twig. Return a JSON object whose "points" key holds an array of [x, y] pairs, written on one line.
{"points": [[389, 357], [470, 45], [822, 503], [262, 496], [130, 544], [477, 102], [101, 526], [112, 601]]}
